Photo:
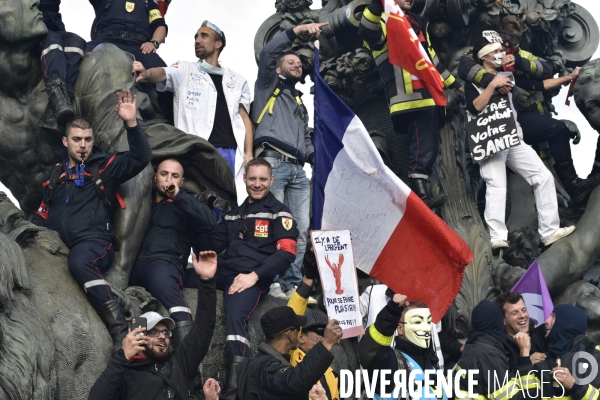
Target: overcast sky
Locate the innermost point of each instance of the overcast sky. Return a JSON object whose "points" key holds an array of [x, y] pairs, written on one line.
{"points": [[240, 19]]}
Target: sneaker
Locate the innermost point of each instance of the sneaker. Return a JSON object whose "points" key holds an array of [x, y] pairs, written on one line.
{"points": [[559, 234], [499, 245], [311, 300], [275, 291]]}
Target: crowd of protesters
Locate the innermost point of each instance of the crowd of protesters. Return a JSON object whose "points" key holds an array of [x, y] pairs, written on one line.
{"points": [[259, 247]]}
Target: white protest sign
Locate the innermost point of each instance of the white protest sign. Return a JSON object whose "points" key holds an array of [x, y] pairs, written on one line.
{"points": [[333, 251]]}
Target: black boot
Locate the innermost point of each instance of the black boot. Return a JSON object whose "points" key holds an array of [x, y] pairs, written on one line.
{"points": [[60, 100], [112, 316], [232, 386], [181, 329], [577, 188], [419, 186]]}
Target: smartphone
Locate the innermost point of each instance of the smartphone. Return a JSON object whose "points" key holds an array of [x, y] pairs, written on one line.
{"points": [[138, 322]]}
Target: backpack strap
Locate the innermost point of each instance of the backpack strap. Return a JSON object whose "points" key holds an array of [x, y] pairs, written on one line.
{"points": [[99, 184], [271, 102], [157, 371]]}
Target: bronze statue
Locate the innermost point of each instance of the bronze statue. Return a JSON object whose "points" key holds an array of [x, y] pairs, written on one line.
{"points": [[27, 150]]}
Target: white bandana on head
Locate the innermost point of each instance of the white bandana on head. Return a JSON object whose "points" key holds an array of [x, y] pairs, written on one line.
{"points": [[418, 326]]}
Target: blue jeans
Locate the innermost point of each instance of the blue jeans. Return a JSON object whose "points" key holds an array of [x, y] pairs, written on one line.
{"points": [[292, 189]]}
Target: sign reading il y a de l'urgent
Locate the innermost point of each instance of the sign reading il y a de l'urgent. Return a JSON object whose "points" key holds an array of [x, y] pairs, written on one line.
{"points": [[492, 130], [333, 251]]}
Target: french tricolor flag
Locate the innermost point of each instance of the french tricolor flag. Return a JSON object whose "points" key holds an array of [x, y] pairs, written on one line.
{"points": [[396, 238]]}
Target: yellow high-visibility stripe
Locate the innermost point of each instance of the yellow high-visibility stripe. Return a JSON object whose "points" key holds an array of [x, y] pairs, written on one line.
{"points": [[370, 16], [449, 80], [379, 337], [591, 393], [411, 105]]}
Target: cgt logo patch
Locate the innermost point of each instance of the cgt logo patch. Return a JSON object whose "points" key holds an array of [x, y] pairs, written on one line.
{"points": [[129, 6], [261, 228]]}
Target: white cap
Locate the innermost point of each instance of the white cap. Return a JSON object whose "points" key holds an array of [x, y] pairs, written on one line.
{"points": [[154, 318]]}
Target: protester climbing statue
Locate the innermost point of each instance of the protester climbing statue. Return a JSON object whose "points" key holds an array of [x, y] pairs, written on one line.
{"points": [[563, 33]]}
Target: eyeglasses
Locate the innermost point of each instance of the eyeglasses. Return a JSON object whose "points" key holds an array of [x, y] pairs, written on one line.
{"points": [[511, 38], [156, 332]]}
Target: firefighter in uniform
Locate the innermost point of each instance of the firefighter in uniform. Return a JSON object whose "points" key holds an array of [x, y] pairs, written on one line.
{"points": [[413, 110], [533, 75], [177, 219], [255, 242], [413, 350], [78, 198], [570, 353], [134, 26], [62, 53]]}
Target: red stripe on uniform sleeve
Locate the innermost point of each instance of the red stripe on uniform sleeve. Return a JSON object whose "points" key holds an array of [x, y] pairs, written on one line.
{"points": [[288, 245]]}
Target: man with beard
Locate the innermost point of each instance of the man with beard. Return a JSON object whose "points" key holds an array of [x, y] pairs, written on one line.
{"points": [[283, 137], [144, 368], [413, 350], [178, 218], [210, 101], [516, 319]]}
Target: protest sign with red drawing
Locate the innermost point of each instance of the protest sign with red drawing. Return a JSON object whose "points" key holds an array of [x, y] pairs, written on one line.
{"points": [[333, 251]]}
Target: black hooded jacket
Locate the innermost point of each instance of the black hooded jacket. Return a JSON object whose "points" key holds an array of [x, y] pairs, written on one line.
{"points": [[489, 351], [135, 380], [567, 341], [77, 213]]}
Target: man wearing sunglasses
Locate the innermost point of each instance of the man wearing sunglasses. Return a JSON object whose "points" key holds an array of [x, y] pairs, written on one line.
{"points": [[534, 75], [145, 368]]}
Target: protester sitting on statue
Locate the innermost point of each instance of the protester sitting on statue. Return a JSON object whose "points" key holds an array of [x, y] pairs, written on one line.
{"points": [[570, 353], [255, 241], [283, 138], [516, 319], [177, 219], [521, 158], [413, 349], [62, 53], [533, 76], [489, 352], [271, 374], [412, 108], [79, 194], [210, 101], [145, 368], [135, 26]]}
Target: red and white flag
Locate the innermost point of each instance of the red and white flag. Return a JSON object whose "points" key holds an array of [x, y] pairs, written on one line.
{"points": [[406, 51]]}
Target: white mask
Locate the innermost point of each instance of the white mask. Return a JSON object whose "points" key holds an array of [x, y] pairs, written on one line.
{"points": [[497, 61], [418, 326]]}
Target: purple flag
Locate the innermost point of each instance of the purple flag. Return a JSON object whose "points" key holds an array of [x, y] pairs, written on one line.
{"points": [[532, 287]]}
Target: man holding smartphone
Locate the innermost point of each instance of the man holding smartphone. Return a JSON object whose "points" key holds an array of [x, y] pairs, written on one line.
{"points": [[144, 368], [177, 218]]}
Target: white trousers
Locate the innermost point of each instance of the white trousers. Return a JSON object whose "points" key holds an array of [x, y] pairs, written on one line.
{"points": [[524, 161]]}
